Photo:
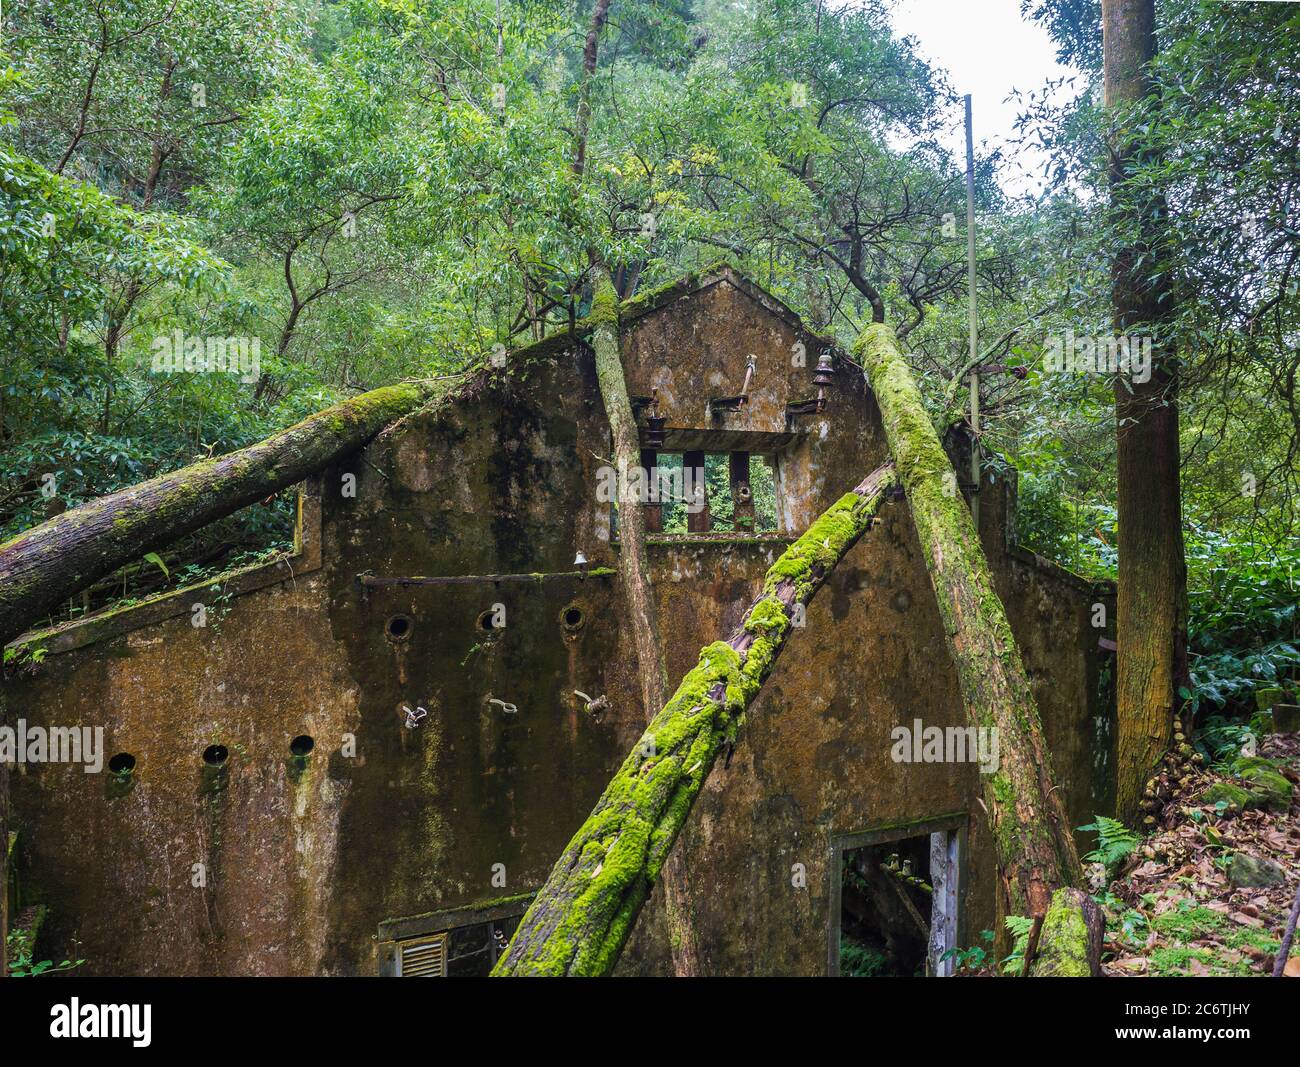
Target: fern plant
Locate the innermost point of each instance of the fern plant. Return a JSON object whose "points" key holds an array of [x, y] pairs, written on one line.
{"points": [[1019, 926], [859, 961], [1115, 842], [973, 958]]}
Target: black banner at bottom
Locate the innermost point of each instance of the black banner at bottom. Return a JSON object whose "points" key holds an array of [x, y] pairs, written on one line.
{"points": [[341, 1015]]}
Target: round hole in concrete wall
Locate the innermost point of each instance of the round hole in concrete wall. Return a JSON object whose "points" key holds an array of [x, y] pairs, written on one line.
{"points": [[487, 621], [216, 755], [122, 763], [573, 618], [398, 628], [301, 745]]}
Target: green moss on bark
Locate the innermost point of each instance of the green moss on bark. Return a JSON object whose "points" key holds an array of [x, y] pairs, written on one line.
{"points": [[1066, 946], [604, 305], [1031, 833], [50, 562], [580, 919]]}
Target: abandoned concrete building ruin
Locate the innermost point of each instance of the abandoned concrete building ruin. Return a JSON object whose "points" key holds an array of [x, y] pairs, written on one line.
{"points": [[373, 752]]}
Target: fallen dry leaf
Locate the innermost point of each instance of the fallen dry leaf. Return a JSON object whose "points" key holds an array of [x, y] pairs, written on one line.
{"points": [[1133, 964], [1176, 869]]}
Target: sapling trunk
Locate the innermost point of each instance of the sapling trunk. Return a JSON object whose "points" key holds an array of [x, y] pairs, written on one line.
{"points": [[638, 592]]}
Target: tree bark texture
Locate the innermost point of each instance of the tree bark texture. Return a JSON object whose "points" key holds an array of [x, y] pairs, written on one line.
{"points": [[1035, 849], [638, 593], [1151, 602]]}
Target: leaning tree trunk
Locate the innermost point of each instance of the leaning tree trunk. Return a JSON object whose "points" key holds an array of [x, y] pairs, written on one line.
{"points": [[1151, 601], [581, 917], [45, 565], [1035, 850], [634, 574]]}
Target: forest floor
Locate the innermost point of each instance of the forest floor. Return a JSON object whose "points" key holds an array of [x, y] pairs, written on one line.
{"points": [[1208, 893]]}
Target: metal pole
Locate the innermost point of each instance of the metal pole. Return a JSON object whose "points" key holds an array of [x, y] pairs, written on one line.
{"points": [[973, 322]]}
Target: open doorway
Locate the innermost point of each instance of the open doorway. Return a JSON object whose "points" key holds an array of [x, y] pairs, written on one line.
{"points": [[894, 901]]}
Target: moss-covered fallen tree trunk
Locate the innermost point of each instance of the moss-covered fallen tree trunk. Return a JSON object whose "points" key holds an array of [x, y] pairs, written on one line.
{"points": [[1035, 849], [582, 916], [43, 566]]}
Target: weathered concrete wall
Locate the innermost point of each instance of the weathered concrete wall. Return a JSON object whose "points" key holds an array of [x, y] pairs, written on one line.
{"points": [[117, 864], [472, 801]]}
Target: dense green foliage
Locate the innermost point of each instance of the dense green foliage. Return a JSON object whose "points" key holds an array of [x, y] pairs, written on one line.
{"points": [[1243, 634], [1220, 155], [372, 189]]}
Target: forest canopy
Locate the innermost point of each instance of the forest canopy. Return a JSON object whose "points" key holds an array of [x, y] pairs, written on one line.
{"points": [[350, 193]]}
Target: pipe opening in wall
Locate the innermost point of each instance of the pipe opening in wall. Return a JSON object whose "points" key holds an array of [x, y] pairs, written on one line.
{"points": [[573, 617], [216, 755], [487, 621], [123, 763], [398, 628], [301, 745]]}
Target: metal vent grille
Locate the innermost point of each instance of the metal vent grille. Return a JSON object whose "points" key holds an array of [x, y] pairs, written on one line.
{"points": [[425, 957]]}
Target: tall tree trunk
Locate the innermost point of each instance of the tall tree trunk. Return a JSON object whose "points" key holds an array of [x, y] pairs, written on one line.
{"points": [[43, 566], [1151, 609], [633, 566], [634, 573], [1031, 834], [580, 919], [590, 55]]}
